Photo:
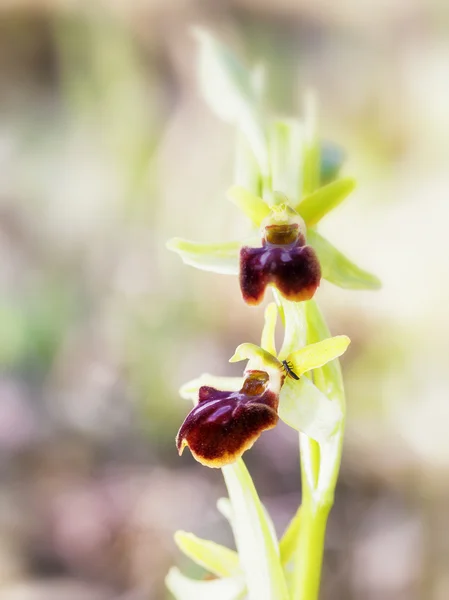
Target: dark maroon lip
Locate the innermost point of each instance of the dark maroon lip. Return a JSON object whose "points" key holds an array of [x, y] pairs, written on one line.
{"points": [[292, 268], [226, 423]]}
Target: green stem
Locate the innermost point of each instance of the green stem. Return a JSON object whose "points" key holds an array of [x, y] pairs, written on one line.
{"points": [[310, 549]]}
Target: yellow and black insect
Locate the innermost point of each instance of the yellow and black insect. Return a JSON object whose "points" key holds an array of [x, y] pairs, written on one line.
{"points": [[289, 369]]}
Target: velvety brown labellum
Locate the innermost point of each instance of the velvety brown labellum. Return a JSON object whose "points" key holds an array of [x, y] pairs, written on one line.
{"points": [[225, 424], [290, 266]]}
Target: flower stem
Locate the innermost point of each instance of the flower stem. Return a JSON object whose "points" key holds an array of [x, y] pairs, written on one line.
{"points": [[310, 548]]}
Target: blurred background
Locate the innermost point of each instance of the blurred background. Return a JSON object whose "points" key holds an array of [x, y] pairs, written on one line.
{"points": [[107, 150]]}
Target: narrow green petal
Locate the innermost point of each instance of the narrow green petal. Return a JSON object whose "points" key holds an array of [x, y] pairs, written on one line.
{"points": [[252, 206], [257, 548], [318, 354], [216, 559], [338, 269], [184, 588], [220, 258], [249, 351], [189, 390], [305, 408], [315, 206], [268, 334], [226, 86]]}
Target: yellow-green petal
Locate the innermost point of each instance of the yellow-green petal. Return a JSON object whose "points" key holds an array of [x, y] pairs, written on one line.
{"points": [[269, 329], [316, 355], [305, 408], [251, 205], [249, 351], [219, 258], [184, 588], [215, 558], [254, 536], [338, 269], [315, 206]]}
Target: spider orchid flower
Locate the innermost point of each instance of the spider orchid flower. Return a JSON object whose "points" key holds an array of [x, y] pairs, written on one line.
{"points": [[231, 413], [289, 253]]}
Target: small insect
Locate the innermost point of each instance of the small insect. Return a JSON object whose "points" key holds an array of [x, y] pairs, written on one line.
{"points": [[289, 369]]}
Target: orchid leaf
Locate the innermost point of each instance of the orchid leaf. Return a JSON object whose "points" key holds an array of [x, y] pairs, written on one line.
{"points": [[184, 588], [226, 86], [315, 206], [216, 559], [316, 355], [305, 408], [257, 548], [268, 334], [219, 258], [338, 269], [189, 391], [251, 205]]}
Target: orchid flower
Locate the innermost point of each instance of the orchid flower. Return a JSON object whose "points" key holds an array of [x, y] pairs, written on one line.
{"points": [[230, 413]]}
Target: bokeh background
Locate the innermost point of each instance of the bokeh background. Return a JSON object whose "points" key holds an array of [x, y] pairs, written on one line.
{"points": [[107, 150]]}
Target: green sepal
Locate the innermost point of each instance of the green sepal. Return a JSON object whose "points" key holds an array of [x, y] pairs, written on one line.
{"points": [[220, 258], [257, 546], [215, 558], [251, 205], [315, 206], [184, 588], [305, 408], [338, 269]]}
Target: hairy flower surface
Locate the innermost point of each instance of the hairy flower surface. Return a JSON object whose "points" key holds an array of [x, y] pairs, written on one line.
{"points": [[284, 261], [226, 423]]}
